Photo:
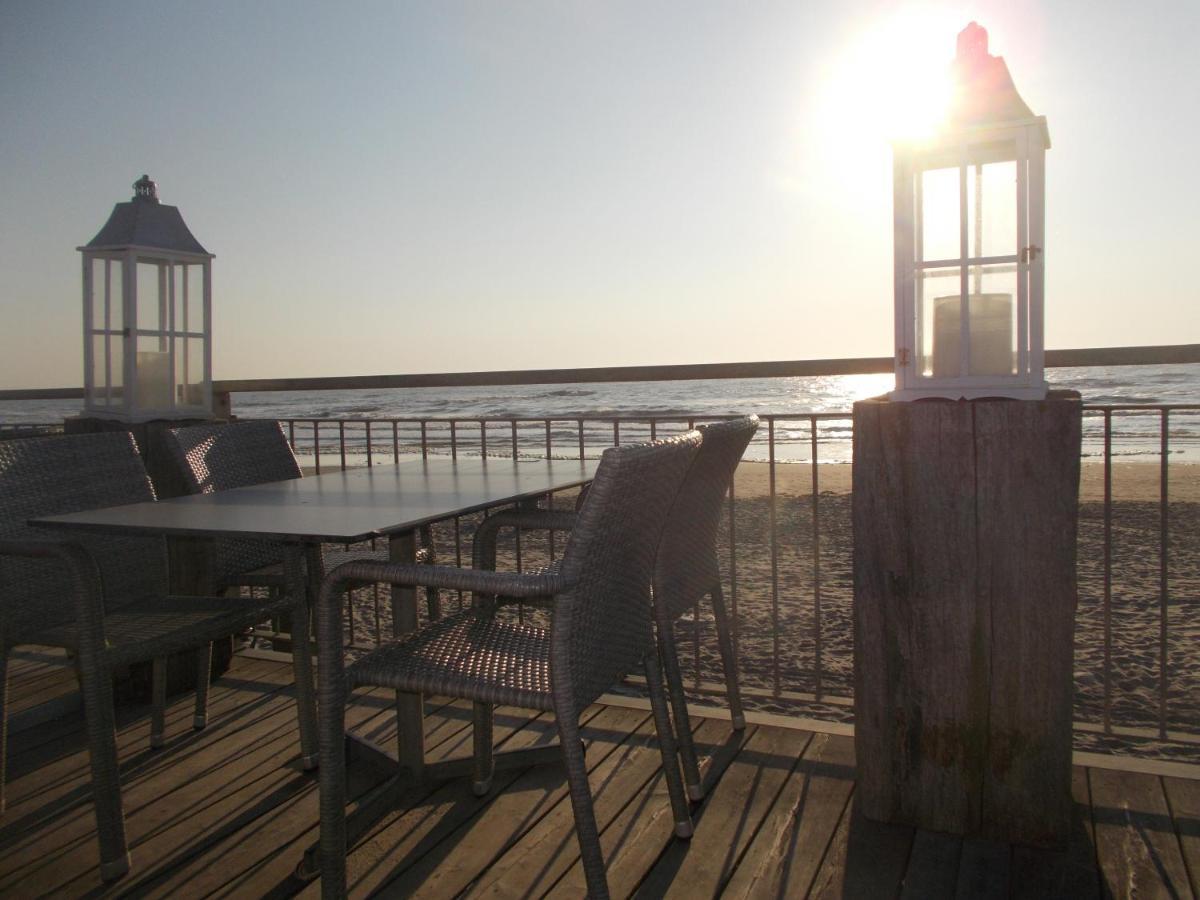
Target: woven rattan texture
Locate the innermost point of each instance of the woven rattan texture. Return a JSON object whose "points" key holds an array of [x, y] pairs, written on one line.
{"points": [[49, 476], [466, 655], [687, 566], [219, 457]]}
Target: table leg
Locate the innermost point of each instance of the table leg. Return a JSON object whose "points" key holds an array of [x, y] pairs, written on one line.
{"points": [[410, 721], [306, 702]]}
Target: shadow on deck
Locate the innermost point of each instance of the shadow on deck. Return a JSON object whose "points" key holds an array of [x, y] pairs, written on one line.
{"points": [[228, 811]]}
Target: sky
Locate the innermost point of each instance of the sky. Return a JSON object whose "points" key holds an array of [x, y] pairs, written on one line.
{"points": [[443, 186]]}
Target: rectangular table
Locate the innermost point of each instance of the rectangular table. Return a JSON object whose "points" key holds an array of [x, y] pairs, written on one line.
{"points": [[388, 501]]}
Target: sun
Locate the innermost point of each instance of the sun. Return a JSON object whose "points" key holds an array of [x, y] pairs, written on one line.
{"points": [[891, 80]]}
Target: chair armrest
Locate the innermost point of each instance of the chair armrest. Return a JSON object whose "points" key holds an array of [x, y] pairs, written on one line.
{"points": [[448, 577], [89, 594], [483, 547]]}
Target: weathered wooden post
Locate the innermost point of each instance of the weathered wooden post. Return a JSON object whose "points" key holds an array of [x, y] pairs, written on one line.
{"points": [[965, 492], [964, 604]]}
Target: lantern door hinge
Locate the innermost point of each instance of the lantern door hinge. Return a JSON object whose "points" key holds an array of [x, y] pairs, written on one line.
{"points": [[1030, 253], [902, 356]]}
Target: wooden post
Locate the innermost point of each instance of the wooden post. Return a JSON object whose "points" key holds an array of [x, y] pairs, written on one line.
{"points": [[965, 518]]}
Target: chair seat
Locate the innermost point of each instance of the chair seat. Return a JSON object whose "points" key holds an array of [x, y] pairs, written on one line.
{"points": [[159, 626], [468, 655]]}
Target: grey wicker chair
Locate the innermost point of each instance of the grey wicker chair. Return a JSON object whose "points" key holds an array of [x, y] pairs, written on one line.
{"points": [[600, 630], [686, 570], [105, 599], [218, 457]]}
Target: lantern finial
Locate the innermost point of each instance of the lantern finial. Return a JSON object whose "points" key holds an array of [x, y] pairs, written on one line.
{"points": [[983, 91], [145, 189], [973, 44]]}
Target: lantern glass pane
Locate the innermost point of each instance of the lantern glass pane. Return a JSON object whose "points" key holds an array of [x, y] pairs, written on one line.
{"points": [[116, 355], [177, 273], [190, 366], [940, 225], [96, 300], [993, 305], [937, 320], [195, 299], [149, 301], [99, 371], [992, 209], [153, 374]]}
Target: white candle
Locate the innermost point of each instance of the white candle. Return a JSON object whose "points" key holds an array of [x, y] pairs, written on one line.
{"points": [[991, 344]]}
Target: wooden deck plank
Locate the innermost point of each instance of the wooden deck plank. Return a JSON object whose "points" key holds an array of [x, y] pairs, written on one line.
{"points": [[533, 864], [864, 859], [446, 861], [1183, 795], [932, 866], [1138, 849], [1048, 874], [787, 852], [984, 870], [261, 856], [634, 839]]}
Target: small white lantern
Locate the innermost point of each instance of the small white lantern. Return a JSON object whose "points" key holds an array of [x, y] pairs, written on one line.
{"points": [[969, 236], [147, 315]]}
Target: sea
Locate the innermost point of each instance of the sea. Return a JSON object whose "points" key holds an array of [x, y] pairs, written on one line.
{"points": [[1136, 435]]}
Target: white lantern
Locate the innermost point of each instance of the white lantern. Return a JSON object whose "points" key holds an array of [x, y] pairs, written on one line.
{"points": [[969, 236], [147, 315]]}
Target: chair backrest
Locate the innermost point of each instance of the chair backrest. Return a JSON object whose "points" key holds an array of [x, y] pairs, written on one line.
{"points": [[601, 626], [219, 457], [687, 566], [52, 475]]}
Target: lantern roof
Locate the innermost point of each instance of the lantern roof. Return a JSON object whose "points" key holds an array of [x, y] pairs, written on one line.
{"points": [[144, 222], [983, 89]]}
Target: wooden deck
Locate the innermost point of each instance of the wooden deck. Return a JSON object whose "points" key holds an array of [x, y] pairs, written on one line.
{"points": [[227, 812]]}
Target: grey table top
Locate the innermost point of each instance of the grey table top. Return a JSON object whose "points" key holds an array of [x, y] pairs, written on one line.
{"points": [[340, 507]]}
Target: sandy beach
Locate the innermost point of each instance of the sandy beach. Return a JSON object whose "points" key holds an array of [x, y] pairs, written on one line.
{"points": [[776, 619]]}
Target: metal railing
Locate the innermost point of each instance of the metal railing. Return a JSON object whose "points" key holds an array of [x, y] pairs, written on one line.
{"points": [[786, 552]]}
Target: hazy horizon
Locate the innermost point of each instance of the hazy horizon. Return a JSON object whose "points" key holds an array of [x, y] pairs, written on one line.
{"points": [[428, 187]]}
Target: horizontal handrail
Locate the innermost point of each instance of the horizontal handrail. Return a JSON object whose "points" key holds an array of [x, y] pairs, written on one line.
{"points": [[1167, 354]]}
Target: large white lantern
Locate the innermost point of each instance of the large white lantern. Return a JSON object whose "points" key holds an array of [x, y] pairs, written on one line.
{"points": [[147, 315], [969, 241]]}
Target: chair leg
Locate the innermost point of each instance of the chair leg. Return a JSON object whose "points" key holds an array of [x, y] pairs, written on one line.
{"points": [[158, 700], [683, 724], [333, 788], [586, 831], [481, 779], [302, 667], [3, 723], [728, 659], [100, 721], [203, 674], [666, 746]]}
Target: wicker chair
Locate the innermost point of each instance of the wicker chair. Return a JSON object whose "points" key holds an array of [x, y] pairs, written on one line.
{"points": [[105, 599], [686, 571], [600, 631], [218, 457]]}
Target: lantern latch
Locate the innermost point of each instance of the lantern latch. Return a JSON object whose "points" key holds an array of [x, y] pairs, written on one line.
{"points": [[1030, 253], [902, 356]]}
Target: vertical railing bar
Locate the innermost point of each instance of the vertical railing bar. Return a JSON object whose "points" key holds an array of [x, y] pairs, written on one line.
{"points": [[395, 441], [816, 552], [1163, 560], [483, 438], [775, 679], [453, 439], [513, 423], [654, 429], [458, 551], [317, 445], [424, 439], [292, 434], [549, 449], [579, 424], [696, 679], [616, 432], [342, 442], [375, 598], [369, 463], [1108, 571], [733, 582], [550, 496]]}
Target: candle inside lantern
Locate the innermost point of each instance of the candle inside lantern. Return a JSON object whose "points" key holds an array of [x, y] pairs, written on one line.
{"points": [[991, 341]]}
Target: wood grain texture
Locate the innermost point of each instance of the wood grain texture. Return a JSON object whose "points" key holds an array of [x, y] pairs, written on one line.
{"points": [[964, 519]]}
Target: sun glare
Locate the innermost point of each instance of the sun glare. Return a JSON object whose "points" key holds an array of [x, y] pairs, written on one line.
{"points": [[891, 81]]}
